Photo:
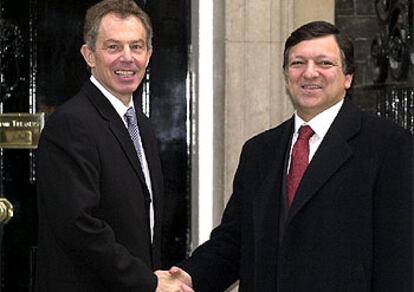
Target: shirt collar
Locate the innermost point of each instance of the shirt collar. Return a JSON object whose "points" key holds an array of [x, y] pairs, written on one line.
{"points": [[321, 123], [116, 103]]}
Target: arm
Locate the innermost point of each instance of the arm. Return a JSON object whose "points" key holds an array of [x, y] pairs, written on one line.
{"points": [[69, 196], [215, 265], [393, 217]]}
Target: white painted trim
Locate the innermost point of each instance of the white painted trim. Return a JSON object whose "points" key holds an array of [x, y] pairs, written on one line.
{"points": [[203, 156]]}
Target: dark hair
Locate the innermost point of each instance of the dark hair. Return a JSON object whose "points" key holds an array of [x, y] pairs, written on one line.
{"points": [[317, 29], [123, 8]]}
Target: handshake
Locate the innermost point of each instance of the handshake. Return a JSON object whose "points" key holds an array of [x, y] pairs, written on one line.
{"points": [[173, 280]]}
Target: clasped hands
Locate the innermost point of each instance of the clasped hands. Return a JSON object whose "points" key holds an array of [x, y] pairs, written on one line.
{"points": [[173, 280]]}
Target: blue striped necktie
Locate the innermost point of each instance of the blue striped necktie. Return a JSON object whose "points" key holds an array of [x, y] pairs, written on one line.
{"points": [[131, 119]]}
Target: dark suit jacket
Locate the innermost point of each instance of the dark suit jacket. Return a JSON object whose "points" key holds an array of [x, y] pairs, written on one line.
{"points": [[93, 201], [349, 228]]}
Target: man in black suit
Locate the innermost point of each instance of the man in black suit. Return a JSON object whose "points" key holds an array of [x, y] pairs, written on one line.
{"points": [[348, 226], [100, 186]]}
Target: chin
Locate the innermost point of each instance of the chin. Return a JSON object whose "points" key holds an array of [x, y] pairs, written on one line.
{"points": [[308, 102], [127, 90]]}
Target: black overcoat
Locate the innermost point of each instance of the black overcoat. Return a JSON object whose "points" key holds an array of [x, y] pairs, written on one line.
{"points": [[349, 228]]}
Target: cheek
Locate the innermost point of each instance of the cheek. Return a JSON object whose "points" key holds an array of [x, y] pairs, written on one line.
{"points": [[143, 58], [108, 61], [293, 76], [141, 62], [291, 88], [292, 83]]}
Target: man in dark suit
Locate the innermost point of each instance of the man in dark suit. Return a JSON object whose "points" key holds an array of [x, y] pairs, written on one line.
{"points": [[347, 225], [100, 184]]}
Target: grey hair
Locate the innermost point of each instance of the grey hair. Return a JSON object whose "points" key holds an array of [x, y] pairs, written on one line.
{"points": [[122, 8]]}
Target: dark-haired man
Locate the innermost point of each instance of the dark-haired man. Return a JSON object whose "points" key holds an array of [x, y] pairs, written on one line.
{"points": [[321, 203]]}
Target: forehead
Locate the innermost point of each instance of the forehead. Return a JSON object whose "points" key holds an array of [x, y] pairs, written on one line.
{"points": [[113, 26], [319, 47]]}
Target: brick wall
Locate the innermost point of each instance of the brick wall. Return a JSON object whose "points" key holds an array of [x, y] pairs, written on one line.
{"points": [[393, 95]]}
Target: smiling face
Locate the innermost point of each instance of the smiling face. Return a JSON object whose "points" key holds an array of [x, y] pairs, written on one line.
{"points": [[315, 77], [121, 55]]}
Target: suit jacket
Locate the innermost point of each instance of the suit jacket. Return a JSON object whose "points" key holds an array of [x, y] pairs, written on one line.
{"points": [[350, 225], [94, 232]]}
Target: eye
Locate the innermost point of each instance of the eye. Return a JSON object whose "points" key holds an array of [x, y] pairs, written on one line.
{"points": [[137, 48], [296, 63], [113, 48], [326, 64]]}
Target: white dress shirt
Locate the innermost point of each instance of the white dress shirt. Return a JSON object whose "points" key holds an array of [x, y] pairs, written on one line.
{"points": [[320, 124], [121, 109]]}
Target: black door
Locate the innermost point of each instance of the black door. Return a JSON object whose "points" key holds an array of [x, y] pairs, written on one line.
{"points": [[41, 68]]}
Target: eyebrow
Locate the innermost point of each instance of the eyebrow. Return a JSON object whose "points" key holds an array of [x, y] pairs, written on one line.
{"points": [[118, 41], [322, 56]]}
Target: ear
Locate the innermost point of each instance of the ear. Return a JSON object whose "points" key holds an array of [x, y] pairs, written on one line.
{"points": [[348, 80], [88, 55]]}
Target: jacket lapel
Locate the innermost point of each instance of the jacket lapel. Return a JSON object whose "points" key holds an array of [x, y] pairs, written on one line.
{"points": [[116, 126], [150, 148], [333, 152]]}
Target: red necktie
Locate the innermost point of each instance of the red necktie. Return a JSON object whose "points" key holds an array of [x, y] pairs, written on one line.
{"points": [[299, 161]]}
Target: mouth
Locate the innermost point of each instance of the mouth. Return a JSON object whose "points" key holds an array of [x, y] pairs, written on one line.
{"points": [[124, 73], [311, 86]]}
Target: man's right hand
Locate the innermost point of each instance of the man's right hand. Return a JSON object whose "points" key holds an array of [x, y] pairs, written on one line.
{"points": [[176, 280], [181, 275]]}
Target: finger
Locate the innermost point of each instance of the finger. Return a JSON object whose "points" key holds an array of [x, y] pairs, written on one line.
{"points": [[186, 288], [162, 274], [173, 270]]}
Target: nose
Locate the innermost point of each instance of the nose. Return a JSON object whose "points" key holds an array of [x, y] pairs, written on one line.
{"points": [[126, 55], [311, 70]]}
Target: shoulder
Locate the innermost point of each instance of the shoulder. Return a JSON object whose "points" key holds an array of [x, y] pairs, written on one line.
{"points": [[274, 138], [272, 133], [352, 122], [383, 128], [72, 109], [74, 114], [380, 138]]}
